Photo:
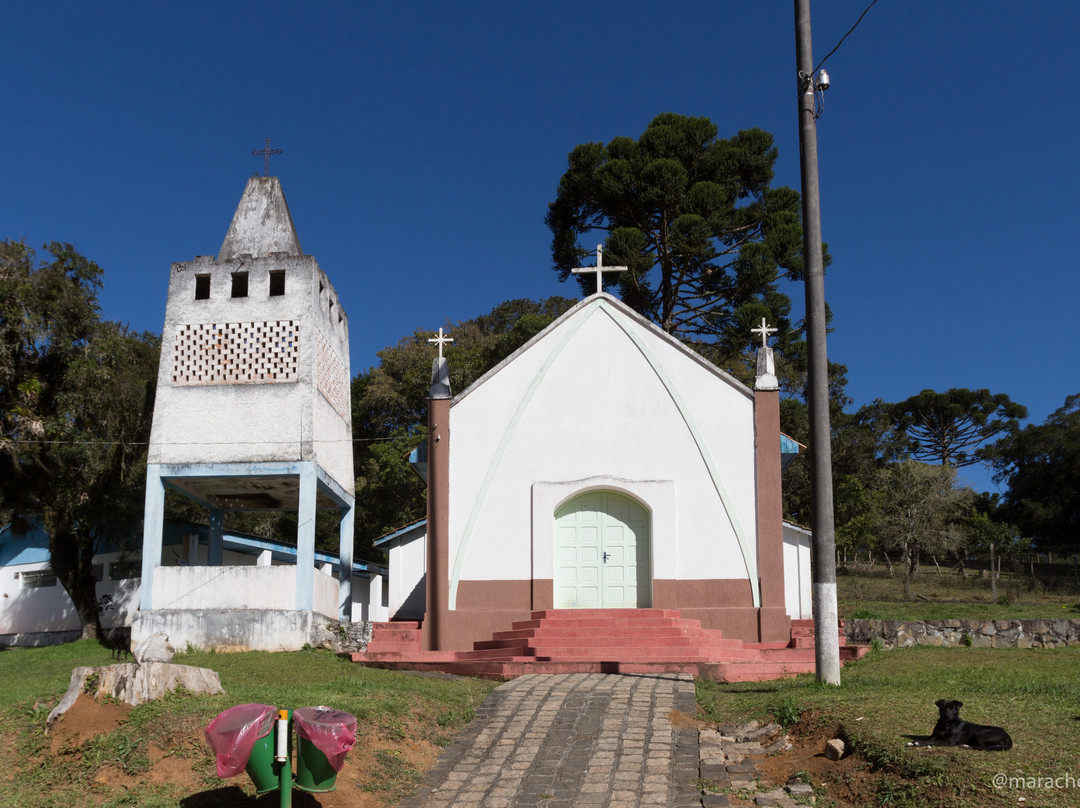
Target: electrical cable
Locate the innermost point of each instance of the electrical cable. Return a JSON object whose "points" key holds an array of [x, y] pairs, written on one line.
{"points": [[845, 36]]}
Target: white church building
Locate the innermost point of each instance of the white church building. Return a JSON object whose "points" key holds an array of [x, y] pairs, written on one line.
{"points": [[603, 466]]}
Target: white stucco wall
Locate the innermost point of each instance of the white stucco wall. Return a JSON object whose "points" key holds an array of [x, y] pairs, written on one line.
{"points": [[798, 594], [49, 608], [277, 421], [238, 588], [407, 564], [603, 395]]}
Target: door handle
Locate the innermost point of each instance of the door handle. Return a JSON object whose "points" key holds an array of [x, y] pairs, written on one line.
{"points": [[606, 556]]}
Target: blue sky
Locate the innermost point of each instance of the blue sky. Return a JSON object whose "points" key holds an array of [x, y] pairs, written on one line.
{"points": [[423, 140]]}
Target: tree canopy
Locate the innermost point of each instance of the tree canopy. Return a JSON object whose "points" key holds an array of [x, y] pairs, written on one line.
{"points": [[694, 218], [76, 399], [390, 406], [1040, 464], [918, 508], [949, 427]]}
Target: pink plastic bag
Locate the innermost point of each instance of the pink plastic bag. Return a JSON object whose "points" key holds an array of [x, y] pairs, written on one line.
{"points": [[233, 733], [332, 731]]}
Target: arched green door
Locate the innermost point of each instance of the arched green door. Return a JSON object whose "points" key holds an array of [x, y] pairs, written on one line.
{"points": [[602, 553]]}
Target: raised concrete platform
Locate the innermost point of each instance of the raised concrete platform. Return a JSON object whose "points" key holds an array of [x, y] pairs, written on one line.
{"points": [[639, 641]]}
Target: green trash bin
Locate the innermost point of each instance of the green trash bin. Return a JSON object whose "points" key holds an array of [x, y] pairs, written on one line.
{"points": [[321, 730], [313, 770], [242, 738], [264, 771]]}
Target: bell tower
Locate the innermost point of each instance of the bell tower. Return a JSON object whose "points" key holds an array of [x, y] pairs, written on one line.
{"points": [[253, 405]]}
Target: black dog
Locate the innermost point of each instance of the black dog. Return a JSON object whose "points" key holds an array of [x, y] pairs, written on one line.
{"points": [[118, 642], [950, 730]]}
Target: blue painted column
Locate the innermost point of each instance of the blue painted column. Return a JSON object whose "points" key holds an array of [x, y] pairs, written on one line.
{"points": [[345, 556], [216, 537], [153, 527], [305, 539]]}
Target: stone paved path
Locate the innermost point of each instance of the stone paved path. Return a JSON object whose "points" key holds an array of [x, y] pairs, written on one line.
{"points": [[561, 740]]}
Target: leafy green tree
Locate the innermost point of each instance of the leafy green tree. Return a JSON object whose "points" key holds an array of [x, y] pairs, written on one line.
{"points": [[1040, 464], [863, 443], [389, 405], [694, 218], [76, 398], [992, 539], [919, 509], [949, 427]]}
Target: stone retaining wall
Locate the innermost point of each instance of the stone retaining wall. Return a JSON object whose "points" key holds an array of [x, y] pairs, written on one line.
{"points": [[975, 633]]}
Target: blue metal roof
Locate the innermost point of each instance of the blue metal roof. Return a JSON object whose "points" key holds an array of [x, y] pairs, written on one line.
{"points": [[23, 548], [789, 450], [399, 532], [33, 547]]}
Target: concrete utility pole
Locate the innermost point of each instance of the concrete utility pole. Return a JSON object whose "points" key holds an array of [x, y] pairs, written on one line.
{"points": [[826, 631]]}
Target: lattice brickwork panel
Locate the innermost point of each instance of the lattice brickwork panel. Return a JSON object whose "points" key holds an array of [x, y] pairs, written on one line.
{"points": [[237, 353], [332, 378]]}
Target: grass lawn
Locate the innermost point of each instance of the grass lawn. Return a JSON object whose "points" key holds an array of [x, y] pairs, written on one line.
{"points": [[947, 596], [397, 715], [1034, 694]]}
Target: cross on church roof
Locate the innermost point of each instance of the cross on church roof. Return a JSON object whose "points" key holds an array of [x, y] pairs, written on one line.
{"points": [[441, 340], [266, 151], [599, 269], [765, 331]]}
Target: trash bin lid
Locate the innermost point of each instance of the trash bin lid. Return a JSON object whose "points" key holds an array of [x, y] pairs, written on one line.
{"points": [[332, 731], [233, 733]]}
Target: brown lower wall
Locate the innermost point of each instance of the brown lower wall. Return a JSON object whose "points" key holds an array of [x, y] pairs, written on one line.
{"points": [[484, 607], [466, 626], [498, 595], [712, 593]]}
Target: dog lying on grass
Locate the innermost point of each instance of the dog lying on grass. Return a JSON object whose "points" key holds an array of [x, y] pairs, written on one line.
{"points": [[950, 730]]}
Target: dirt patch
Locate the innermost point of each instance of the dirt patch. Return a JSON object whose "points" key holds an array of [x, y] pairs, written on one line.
{"points": [[83, 721], [681, 720], [847, 782], [184, 760], [850, 782]]}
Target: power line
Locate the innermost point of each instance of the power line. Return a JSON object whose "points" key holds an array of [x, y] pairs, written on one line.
{"points": [[845, 36], [24, 442]]}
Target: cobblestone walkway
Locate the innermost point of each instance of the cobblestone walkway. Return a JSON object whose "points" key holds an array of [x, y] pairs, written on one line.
{"points": [[561, 740]]}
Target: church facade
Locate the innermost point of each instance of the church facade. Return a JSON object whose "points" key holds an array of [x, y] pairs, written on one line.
{"points": [[606, 465]]}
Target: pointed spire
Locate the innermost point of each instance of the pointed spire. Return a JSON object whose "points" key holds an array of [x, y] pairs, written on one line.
{"points": [[262, 223], [766, 362]]}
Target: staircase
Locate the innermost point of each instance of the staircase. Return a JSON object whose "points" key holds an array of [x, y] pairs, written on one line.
{"points": [[603, 641]]}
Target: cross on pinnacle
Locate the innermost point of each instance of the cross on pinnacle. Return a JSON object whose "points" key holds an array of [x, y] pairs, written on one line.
{"points": [[599, 269], [441, 340], [266, 151], [765, 331]]}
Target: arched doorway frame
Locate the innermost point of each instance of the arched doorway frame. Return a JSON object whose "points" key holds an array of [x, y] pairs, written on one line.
{"points": [[603, 555], [656, 496]]}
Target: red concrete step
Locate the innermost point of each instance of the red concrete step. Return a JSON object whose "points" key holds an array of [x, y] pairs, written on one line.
{"points": [[558, 641], [604, 641], [554, 629], [605, 622], [395, 637], [624, 614]]}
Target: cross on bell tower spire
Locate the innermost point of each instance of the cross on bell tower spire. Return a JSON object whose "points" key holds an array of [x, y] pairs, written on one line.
{"points": [[266, 151]]}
